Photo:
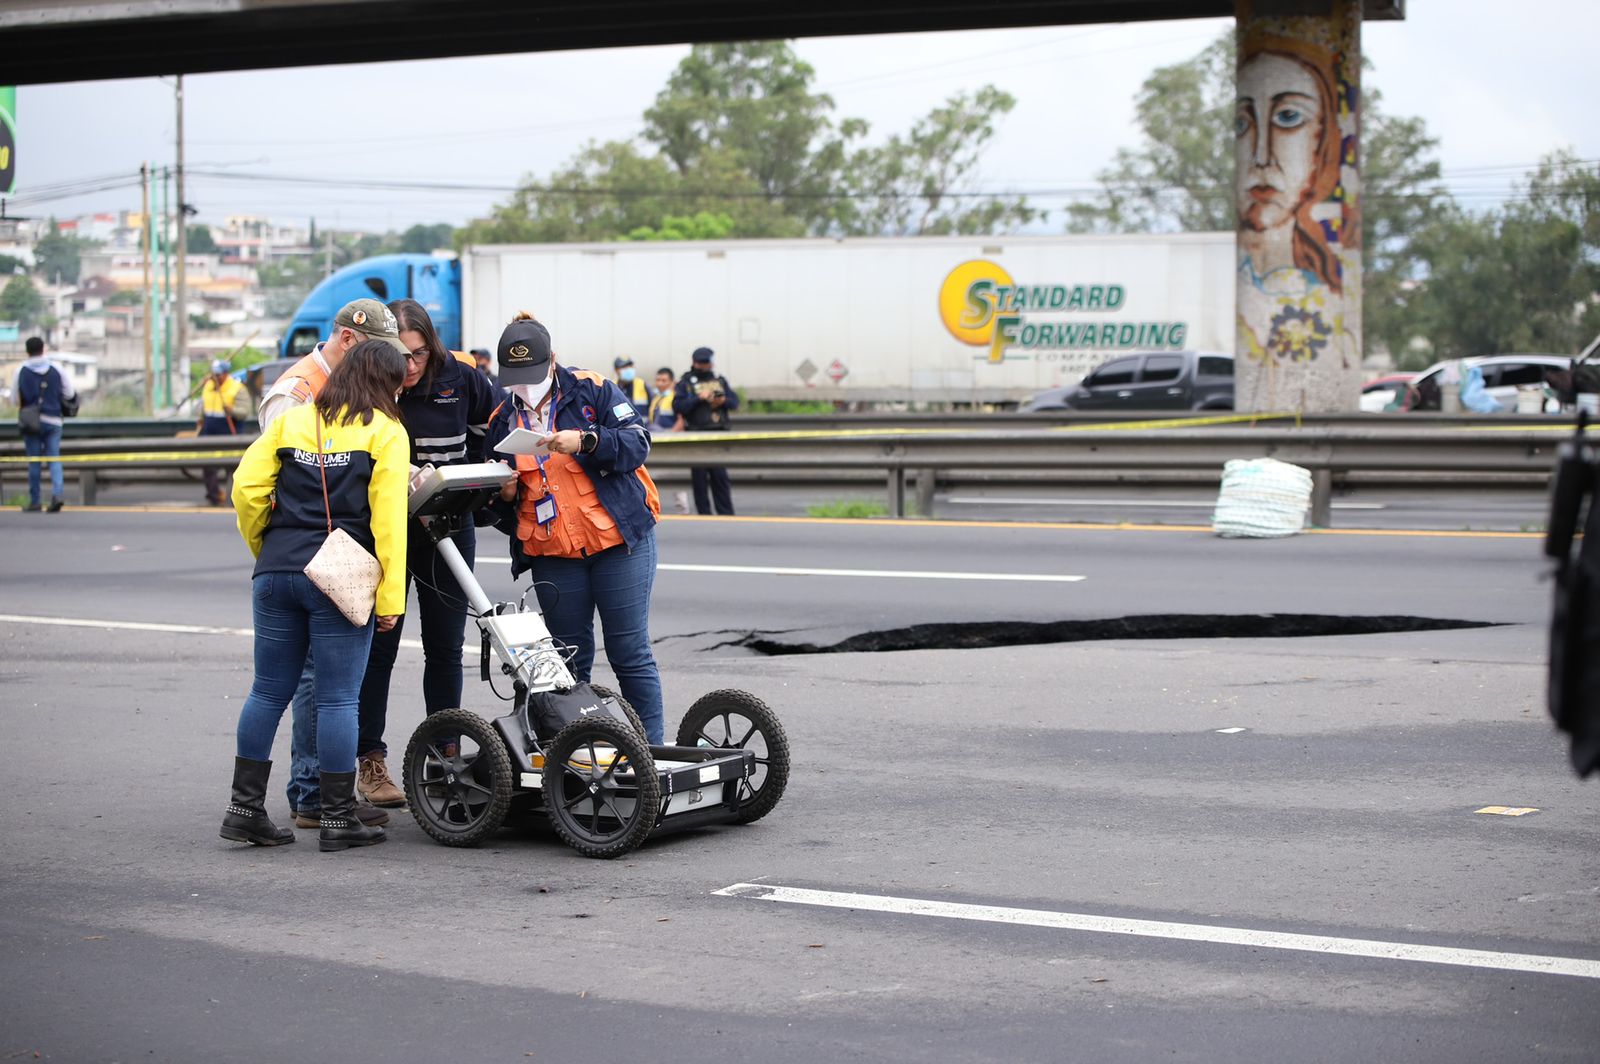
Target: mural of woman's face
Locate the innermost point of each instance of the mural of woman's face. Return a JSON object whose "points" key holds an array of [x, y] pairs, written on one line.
{"points": [[1278, 124]]}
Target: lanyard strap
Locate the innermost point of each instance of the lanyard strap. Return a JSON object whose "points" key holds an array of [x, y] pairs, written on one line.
{"points": [[322, 467], [550, 428]]}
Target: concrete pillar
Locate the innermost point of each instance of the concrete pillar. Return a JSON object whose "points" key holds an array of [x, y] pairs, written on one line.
{"points": [[1298, 185]]}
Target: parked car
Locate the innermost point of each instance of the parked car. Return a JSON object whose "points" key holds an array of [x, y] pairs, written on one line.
{"points": [[1387, 392], [1166, 380], [1502, 376]]}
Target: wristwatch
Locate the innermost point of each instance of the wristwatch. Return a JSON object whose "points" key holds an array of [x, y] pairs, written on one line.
{"points": [[589, 441]]}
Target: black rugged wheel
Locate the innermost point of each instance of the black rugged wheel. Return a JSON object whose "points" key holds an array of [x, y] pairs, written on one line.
{"points": [[459, 798], [739, 719], [627, 708], [601, 790]]}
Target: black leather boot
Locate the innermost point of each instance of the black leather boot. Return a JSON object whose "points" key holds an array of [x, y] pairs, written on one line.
{"points": [[246, 819], [341, 828]]}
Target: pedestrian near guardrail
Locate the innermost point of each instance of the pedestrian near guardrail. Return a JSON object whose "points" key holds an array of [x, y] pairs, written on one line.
{"points": [[444, 406], [44, 397], [222, 402], [705, 399], [336, 464]]}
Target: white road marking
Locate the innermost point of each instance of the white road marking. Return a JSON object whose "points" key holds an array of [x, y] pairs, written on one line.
{"points": [[175, 629], [888, 574], [1175, 504], [1229, 731], [1228, 936]]}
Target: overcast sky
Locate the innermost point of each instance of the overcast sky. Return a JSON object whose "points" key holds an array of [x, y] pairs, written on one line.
{"points": [[1499, 86]]}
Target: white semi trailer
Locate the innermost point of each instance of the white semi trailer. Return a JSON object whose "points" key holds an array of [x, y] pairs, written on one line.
{"points": [[936, 319]]}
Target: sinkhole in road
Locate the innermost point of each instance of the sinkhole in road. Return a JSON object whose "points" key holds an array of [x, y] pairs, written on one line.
{"points": [[979, 635]]}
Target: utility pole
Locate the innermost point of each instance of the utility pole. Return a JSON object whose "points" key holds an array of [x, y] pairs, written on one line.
{"points": [[149, 318], [327, 254], [183, 246]]}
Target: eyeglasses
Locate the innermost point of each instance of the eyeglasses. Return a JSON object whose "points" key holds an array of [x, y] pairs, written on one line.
{"points": [[415, 357]]}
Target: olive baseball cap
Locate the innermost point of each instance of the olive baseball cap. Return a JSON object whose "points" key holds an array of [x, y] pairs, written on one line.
{"points": [[523, 353], [371, 319]]}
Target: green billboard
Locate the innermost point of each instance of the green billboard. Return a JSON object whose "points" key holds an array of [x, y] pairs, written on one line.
{"points": [[8, 140]]}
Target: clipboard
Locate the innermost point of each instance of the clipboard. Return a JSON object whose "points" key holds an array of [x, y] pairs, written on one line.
{"points": [[524, 441]]}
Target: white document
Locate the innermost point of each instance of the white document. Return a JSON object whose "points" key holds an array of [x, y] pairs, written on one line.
{"points": [[524, 441]]}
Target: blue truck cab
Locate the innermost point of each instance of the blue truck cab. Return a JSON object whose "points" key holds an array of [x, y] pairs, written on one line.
{"points": [[432, 281]]}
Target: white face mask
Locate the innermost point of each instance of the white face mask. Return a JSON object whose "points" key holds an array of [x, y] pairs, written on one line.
{"points": [[530, 394]]}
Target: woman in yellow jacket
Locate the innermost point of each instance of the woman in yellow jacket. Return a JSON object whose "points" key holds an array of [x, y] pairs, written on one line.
{"points": [[342, 458]]}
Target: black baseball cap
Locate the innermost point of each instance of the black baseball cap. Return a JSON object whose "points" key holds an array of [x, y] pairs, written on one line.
{"points": [[524, 353], [701, 354], [618, 363]]}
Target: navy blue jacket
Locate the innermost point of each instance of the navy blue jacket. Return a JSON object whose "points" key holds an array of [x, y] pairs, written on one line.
{"points": [[586, 400]]}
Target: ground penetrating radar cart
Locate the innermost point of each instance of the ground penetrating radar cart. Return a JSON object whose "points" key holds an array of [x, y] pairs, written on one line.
{"points": [[568, 750]]}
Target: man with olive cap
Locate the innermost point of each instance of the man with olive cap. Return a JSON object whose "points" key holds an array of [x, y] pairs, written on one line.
{"points": [[357, 322], [704, 399], [219, 396]]}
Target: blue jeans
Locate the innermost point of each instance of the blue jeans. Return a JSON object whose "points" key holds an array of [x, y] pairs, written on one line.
{"points": [[304, 788], [442, 606], [290, 616], [47, 443], [617, 582]]}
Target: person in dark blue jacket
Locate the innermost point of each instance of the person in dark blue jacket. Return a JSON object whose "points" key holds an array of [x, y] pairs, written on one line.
{"points": [[445, 404], [582, 517]]}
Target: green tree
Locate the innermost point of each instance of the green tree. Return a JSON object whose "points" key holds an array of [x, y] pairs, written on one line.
{"points": [[1523, 278], [920, 183], [201, 242], [701, 226], [1181, 178], [423, 239], [739, 133], [57, 255], [10, 264], [21, 302], [749, 105]]}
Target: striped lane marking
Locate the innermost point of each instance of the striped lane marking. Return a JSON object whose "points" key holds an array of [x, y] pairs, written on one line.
{"points": [[1228, 936]]}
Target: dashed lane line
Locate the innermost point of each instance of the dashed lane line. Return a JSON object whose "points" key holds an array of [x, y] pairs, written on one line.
{"points": [[151, 626], [1131, 504], [1228, 936]]}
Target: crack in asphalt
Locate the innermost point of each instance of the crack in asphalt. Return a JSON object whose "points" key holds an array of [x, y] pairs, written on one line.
{"points": [[986, 634]]}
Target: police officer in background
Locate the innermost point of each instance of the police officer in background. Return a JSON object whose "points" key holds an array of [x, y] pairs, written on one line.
{"points": [[704, 399], [632, 385]]}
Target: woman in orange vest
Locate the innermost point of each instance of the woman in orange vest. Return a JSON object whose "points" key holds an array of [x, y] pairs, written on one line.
{"points": [[582, 517]]}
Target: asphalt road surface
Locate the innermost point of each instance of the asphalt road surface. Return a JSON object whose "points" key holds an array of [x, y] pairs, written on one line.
{"points": [[1211, 848]]}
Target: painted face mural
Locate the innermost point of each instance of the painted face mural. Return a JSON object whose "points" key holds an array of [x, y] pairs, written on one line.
{"points": [[1287, 145], [1297, 196]]}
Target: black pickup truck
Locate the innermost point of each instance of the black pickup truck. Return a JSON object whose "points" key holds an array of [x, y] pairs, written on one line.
{"points": [[1166, 380]]}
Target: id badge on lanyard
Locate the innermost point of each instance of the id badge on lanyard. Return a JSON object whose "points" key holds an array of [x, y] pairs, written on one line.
{"points": [[544, 510]]}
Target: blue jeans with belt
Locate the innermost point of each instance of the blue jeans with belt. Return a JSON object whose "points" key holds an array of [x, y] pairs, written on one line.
{"points": [[616, 582], [291, 616]]}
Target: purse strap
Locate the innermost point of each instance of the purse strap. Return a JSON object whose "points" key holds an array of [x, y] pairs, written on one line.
{"points": [[322, 467]]}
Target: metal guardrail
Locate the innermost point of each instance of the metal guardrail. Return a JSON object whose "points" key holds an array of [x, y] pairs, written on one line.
{"points": [[169, 428], [924, 457]]}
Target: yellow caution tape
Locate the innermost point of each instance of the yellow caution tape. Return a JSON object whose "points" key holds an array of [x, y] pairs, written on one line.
{"points": [[135, 456], [838, 434]]}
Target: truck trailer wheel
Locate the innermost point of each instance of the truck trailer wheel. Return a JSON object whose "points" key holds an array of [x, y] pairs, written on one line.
{"points": [[459, 798], [601, 789], [738, 719]]}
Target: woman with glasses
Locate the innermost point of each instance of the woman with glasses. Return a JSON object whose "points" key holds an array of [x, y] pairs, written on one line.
{"points": [[445, 402]]}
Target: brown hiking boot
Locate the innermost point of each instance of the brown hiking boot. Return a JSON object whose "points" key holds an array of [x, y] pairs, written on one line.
{"points": [[374, 784]]}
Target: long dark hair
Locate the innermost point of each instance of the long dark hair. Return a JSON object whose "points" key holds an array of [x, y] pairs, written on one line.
{"points": [[364, 381], [413, 316]]}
